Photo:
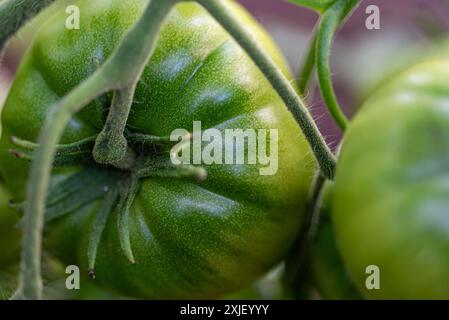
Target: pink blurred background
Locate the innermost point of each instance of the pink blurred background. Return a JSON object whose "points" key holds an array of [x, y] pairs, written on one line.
{"points": [[359, 53]]}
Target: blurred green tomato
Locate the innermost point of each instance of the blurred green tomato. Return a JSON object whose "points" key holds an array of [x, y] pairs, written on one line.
{"points": [[391, 201]]}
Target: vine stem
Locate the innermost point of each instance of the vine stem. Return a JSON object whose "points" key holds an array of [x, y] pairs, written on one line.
{"points": [[120, 71], [331, 20], [111, 144], [295, 105], [305, 73], [15, 13]]}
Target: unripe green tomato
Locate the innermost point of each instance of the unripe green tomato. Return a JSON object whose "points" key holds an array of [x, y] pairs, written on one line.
{"points": [[391, 201], [189, 239], [329, 275]]}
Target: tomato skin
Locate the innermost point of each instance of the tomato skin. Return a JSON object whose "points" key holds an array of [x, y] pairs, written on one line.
{"points": [[190, 240], [391, 201]]}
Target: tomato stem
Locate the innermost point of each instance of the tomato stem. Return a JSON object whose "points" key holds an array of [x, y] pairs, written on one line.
{"points": [[294, 103], [15, 13], [120, 71], [111, 144], [331, 20], [306, 70]]}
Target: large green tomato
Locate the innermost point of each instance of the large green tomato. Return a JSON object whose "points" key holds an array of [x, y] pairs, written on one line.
{"points": [[189, 239], [391, 202]]}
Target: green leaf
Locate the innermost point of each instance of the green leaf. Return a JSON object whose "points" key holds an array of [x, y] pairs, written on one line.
{"points": [[317, 5]]}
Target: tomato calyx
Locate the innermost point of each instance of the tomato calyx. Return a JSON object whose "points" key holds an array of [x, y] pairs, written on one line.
{"points": [[111, 145], [66, 155], [115, 185]]}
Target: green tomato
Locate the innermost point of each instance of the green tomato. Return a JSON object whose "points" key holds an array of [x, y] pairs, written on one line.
{"points": [[329, 275], [190, 239], [391, 201]]}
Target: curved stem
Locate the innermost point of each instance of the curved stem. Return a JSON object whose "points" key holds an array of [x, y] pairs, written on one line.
{"points": [[30, 273], [15, 13], [111, 145], [330, 22], [326, 159], [122, 69], [305, 73]]}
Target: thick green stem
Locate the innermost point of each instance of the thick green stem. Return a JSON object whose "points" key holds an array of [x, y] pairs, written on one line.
{"points": [[120, 71], [330, 22], [326, 159], [15, 13], [111, 144], [30, 273]]}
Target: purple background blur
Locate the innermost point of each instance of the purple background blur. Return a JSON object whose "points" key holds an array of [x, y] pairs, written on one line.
{"points": [[358, 54], [405, 25]]}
